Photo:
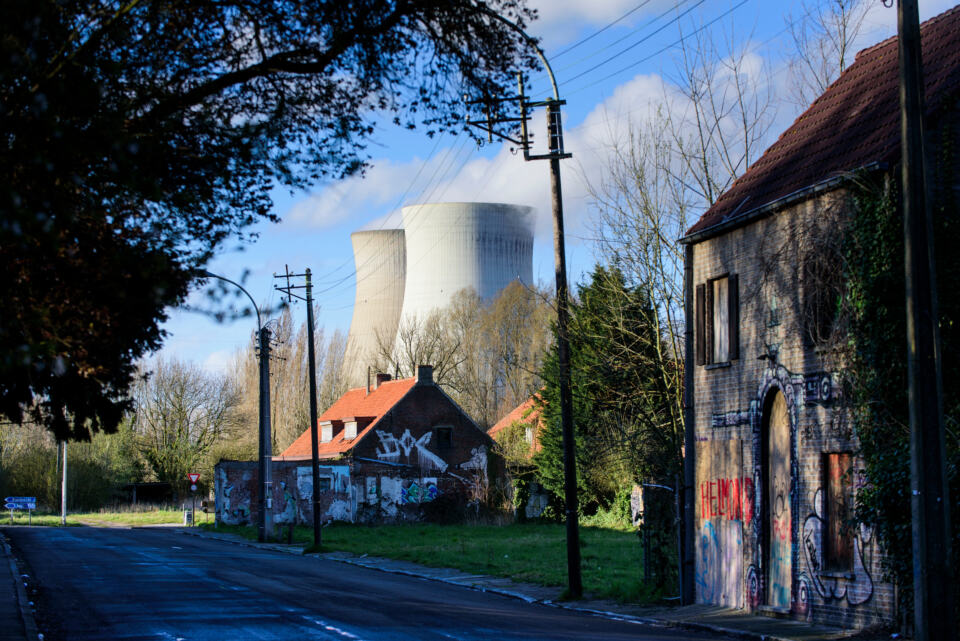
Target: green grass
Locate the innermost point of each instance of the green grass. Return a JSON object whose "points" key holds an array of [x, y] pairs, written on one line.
{"points": [[116, 516], [612, 561]]}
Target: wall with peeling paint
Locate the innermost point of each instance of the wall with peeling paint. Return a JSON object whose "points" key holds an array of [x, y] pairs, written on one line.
{"points": [[763, 424]]}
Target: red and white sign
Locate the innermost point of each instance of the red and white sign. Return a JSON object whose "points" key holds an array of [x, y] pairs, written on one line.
{"points": [[193, 477]]}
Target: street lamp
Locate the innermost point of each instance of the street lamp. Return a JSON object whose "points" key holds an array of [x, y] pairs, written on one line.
{"points": [[265, 520]]}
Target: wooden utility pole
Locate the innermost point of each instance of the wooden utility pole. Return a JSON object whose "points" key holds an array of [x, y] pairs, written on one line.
{"points": [[555, 154], [932, 577], [312, 370]]}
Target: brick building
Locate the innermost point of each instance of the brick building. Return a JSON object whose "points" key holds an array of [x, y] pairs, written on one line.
{"points": [[396, 450], [774, 453]]}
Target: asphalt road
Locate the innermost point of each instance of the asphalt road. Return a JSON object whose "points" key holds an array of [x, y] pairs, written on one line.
{"points": [[154, 583]]}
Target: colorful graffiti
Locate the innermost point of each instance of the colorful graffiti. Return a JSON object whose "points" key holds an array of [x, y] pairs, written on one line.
{"points": [[727, 498], [780, 555], [855, 585], [719, 569], [414, 492], [391, 447]]}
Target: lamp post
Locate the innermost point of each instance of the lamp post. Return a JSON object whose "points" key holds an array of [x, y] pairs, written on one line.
{"points": [[265, 520]]}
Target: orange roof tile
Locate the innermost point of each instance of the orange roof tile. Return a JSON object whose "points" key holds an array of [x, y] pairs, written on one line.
{"points": [[855, 123], [356, 403]]}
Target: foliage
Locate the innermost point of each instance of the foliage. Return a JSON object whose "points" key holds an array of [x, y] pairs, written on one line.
{"points": [[622, 411], [485, 354], [877, 372], [30, 465], [138, 137]]}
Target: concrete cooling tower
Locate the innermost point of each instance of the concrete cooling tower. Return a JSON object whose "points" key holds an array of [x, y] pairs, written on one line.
{"points": [[452, 246], [380, 259]]}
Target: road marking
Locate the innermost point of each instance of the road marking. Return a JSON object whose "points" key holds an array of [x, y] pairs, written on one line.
{"points": [[330, 628]]}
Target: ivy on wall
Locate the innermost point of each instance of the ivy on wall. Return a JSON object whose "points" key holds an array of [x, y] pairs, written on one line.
{"points": [[876, 356]]}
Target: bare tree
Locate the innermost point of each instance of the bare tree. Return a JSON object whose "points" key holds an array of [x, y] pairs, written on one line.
{"points": [[180, 413], [823, 39]]}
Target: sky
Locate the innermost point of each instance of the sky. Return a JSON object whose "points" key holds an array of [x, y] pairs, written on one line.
{"points": [[614, 61]]}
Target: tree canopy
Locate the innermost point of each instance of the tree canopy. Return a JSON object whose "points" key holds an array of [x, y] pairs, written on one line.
{"points": [[140, 135]]}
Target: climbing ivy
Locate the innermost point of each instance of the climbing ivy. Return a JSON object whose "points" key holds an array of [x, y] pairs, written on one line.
{"points": [[876, 378]]}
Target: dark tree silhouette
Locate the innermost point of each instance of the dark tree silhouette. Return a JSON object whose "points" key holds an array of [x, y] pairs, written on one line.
{"points": [[139, 135]]}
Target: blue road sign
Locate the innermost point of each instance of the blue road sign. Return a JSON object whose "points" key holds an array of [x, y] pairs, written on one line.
{"points": [[21, 502]]}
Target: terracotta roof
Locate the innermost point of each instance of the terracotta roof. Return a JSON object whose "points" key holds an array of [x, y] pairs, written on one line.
{"points": [[527, 413], [855, 123], [355, 404]]}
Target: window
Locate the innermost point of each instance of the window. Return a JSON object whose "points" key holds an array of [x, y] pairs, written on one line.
{"points": [[325, 483], [326, 432], [717, 320], [444, 437], [837, 511], [349, 430]]}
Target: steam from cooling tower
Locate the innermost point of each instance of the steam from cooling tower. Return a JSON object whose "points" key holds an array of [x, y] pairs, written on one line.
{"points": [[443, 249]]}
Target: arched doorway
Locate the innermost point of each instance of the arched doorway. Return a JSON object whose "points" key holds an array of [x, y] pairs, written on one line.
{"points": [[777, 521]]}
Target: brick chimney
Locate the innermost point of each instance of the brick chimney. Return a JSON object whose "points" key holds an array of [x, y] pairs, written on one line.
{"points": [[425, 374], [381, 379]]}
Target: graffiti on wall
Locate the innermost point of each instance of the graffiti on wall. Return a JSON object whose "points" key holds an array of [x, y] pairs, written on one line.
{"points": [[855, 585], [727, 498], [391, 448], [726, 502], [234, 498], [422, 491]]}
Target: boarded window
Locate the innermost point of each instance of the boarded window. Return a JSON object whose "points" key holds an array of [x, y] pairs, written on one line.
{"points": [[837, 512], [325, 483], [717, 320]]}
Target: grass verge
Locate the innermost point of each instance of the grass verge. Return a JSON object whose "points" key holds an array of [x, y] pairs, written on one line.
{"points": [[106, 517], [612, 559]]}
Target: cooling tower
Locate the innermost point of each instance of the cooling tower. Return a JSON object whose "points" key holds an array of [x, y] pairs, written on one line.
{"points": [[380, 259], [452, 246]]}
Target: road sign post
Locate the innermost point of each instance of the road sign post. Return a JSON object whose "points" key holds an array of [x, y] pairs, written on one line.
{"points": [[193, 477], [28, 503]]}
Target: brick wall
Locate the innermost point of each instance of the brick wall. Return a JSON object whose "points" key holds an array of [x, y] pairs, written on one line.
{"points": [[760, 541], [425, 459]]}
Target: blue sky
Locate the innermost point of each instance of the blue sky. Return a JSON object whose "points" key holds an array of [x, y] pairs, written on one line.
{"points": [[608, 79]]}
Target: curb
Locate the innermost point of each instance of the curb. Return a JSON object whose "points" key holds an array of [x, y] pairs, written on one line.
{"points": [[26, 614], [629, 618]]}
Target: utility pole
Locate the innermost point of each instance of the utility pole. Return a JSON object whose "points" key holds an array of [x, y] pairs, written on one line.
{"points": [[314, 447], [930, 503], [63, 489], [555, 155], [265, 526]]}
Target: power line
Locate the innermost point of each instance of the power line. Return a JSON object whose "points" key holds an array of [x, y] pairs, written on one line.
{"points": [[601, 30], [657, 53]]}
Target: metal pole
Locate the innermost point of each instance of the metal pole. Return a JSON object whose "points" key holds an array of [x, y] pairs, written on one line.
{"points": [[575, 586], [63, 489], [930, 503], [314, 447], [688, 592], [265, 530]]}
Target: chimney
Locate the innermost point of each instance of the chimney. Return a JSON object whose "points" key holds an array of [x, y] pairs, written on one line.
{"points": [[425, 374], [381, 379]]}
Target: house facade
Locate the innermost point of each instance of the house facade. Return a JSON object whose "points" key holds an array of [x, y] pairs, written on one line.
{"points": [[775, 465], [394, 451]]}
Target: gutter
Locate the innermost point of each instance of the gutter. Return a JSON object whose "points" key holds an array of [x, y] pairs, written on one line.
{"points": [[734, 220]]}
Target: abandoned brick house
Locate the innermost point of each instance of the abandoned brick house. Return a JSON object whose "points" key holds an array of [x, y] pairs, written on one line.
{"points": [[385, 450], [518, 433], [775, 462]]}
